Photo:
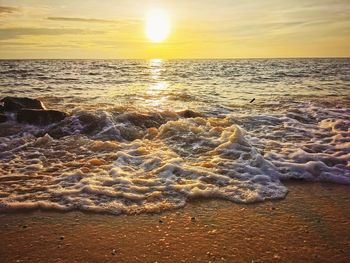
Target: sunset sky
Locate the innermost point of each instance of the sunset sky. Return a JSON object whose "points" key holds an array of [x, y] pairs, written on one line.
{"points": [[198, 29]]}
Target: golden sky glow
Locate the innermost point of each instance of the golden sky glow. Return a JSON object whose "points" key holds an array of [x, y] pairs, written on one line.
{"points": [[184, 29]]}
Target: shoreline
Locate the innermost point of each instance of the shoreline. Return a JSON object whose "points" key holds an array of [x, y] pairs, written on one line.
{"points": [[312, 224]]}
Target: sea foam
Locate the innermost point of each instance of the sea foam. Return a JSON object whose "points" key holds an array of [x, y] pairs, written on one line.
{"points": [[188, 158]]}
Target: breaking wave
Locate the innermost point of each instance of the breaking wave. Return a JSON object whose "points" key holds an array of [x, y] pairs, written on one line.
{"points": [[127, 161]]}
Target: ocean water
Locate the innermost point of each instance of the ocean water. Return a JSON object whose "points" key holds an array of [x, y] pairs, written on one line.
{"points": [[146, 136]]}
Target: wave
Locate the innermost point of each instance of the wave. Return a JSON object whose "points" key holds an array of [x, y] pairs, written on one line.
{"points": [[127, 161]]}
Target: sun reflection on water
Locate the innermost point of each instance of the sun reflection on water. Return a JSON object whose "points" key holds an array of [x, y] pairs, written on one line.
{"points": [[155, 92]]}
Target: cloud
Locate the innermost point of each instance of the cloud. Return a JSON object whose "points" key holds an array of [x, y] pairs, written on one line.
{"points": [[36, 45], [11, 43], [12, 33], [85, 20], [8, 10]]}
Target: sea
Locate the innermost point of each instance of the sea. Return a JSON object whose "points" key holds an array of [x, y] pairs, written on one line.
{"points": [[151, 135]]}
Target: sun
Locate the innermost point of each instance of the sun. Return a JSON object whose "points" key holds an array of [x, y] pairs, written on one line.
{"points": [[157, 26]]}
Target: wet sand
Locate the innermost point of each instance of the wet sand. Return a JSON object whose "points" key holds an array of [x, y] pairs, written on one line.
{"points": [[311, 225]]}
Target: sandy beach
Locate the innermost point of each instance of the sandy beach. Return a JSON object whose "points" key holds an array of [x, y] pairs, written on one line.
{"points": [[311, 225]]}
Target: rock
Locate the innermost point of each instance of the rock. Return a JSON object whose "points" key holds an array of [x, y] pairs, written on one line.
{"points": [[91, 123], [40, 117], [16, 104], [141, 120], [10, 128], [3, 118], [189, 114]]}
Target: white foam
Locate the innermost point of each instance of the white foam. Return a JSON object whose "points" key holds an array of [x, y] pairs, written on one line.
{"points": [[238, 158]]}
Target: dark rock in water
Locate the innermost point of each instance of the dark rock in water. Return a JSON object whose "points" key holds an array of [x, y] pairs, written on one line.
{"points": [[40, 117], [91, 123], [16, 104], [3, 118], [10, 128], [189, 114], [141, 120]]}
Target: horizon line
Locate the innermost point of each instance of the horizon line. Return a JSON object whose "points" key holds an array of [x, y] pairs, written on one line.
{"points": [[231, 58]]}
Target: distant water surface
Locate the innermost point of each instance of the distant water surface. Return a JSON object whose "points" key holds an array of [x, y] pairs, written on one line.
{"points": [[150, 135]]}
